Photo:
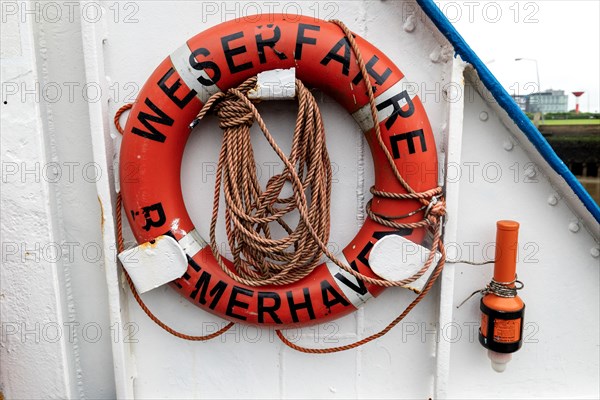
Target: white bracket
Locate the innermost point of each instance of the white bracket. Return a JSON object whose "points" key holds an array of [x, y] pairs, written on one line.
{"points": [[153, 264], [276, 84]]}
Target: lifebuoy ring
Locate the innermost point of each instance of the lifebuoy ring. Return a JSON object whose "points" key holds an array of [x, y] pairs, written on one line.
{"points": [[221, 58]]}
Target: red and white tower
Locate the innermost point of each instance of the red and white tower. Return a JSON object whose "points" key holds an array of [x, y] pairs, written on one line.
{"points": [[577, 96]]}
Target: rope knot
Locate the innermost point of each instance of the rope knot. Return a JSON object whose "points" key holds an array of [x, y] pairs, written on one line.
{"points": [[436, 208], [235, 110]]}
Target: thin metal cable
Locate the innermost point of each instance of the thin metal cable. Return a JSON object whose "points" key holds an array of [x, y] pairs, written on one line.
{"points": [[470, 262], [500, 289]]}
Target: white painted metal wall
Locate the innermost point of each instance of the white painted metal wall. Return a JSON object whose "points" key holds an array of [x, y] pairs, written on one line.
{"points": [[433, 353], [53, 296]]}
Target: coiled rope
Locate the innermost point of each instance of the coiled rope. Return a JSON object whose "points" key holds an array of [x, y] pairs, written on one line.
{"points": [[258, 258]]}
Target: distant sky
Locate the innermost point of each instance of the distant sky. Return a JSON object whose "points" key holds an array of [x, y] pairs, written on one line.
{"points": [[564, 37]]}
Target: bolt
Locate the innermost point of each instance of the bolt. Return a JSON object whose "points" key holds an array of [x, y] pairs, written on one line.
{"points": [[574, 227], [410, 24], [552, 200], [530, 172]]}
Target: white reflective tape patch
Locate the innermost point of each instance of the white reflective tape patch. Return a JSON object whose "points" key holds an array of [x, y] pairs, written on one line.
{"points": [[181, 61], [192, 243], [348, 283], [363, 116]]}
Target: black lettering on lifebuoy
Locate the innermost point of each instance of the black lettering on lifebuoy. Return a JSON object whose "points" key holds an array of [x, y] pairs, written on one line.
{"points": [[379, 79], [186, 276], [229, 52], [151, 222], [301, 39], [202, 285], [362, 256], [170, 90], [400, 232], [193, 263], [160, 117], [271, 310], [358, 286], [294, 307], [336, 297], [395, 102], [409, 137], [234, 302], [342, 59], [261, 43], [203, 65]]}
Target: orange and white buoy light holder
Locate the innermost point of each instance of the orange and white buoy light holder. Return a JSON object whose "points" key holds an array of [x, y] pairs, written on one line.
{"points": [[502, 311]]}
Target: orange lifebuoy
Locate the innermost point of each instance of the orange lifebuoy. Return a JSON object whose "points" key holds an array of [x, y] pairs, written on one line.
{"points": [[221, 58]]}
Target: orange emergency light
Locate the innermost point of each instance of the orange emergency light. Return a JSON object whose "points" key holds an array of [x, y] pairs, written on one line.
{"points": [[502, 310]]}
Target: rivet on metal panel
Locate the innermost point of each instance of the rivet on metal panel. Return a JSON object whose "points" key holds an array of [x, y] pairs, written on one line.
{"points": [[574, 227], [508, 145], [484, 116], [410, 24], [595, 252], [530, 172], [552, 200]]}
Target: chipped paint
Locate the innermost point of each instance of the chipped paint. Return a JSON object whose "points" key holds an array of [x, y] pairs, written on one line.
{"points": [[101, 213]]}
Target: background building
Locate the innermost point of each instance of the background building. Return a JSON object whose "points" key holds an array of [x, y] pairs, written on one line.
{"points": [[548, 101]]}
